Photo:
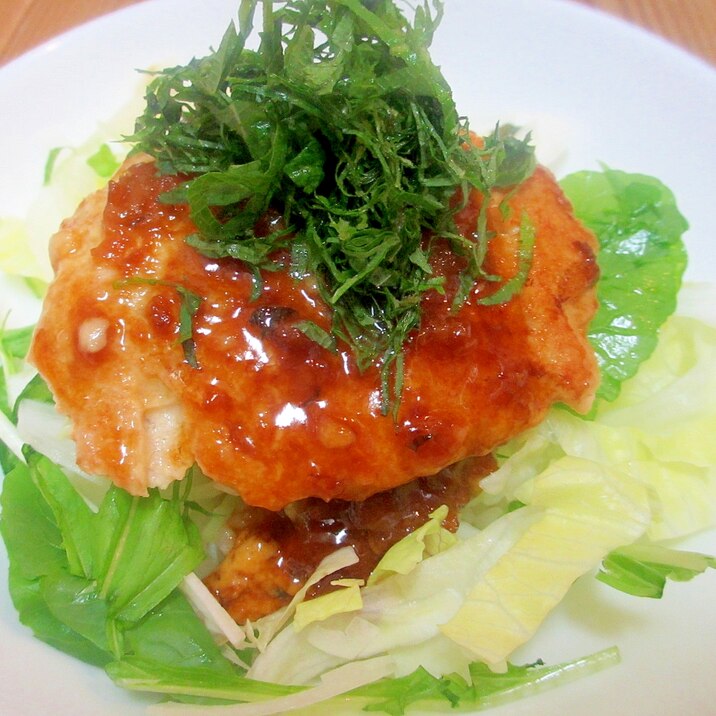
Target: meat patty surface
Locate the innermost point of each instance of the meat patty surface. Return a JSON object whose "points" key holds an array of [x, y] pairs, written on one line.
{"points": [[264, 409]]}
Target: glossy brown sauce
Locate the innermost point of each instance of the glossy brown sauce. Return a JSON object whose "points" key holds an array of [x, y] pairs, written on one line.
{"points": [[276, 552], [281, 420], [269, 412]]}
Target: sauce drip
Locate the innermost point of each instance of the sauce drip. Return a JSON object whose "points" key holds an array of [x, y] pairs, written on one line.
{"points": [[275, 552]]}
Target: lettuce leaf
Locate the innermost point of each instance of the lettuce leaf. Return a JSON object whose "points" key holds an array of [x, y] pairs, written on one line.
{"points": [[641, 259], [659, 431], [669, 399], [486, 595]]}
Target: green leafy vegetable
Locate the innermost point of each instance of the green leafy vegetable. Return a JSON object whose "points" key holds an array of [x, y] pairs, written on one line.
{"points": [[88, 584], [37, 389], [71, 514], [642, 260], [486, 688], [137, 567], [93, 583], [658, 432], [642, 569], [50, 162], [428, 539], [25, 512], [14, 344], [393, 696], [342, 123], [103, 162], [18, 256], [203, 682], [190, 304]]}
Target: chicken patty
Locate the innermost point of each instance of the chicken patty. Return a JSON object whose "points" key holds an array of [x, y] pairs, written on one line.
{"points": [[162, 358]]}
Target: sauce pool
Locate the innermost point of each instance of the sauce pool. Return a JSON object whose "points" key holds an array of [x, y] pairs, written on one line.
{"points": [[275, 552]]}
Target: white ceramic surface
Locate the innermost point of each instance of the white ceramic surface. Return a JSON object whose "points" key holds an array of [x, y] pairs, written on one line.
{"points": [[594, 90]]}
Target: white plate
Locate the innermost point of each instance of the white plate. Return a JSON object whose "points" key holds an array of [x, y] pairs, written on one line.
{"points": [[596, 90]]}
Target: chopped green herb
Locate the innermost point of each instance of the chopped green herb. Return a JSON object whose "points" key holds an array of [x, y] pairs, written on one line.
{"points": [[341, 121], [317, 334], [190, 304], [515, 284]]}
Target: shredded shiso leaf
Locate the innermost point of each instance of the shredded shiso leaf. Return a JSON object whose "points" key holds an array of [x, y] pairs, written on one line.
{"points": [[342, 124]]}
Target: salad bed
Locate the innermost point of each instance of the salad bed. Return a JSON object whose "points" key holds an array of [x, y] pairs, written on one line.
{"points": [[102, 612]]}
